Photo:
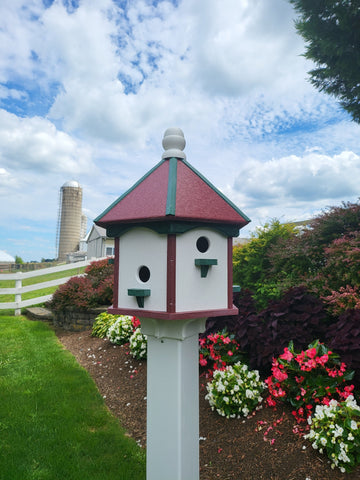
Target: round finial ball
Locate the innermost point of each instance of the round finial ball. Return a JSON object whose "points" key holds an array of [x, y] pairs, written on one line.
{"points": [[173, 139]]}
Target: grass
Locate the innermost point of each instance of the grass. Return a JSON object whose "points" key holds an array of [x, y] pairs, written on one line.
{"points": [[53, 421]]}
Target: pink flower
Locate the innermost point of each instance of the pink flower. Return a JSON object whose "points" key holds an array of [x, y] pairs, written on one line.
{"points": [[287, 355], [271, 402], [203, 362], [226, 340], [230, 353], [311, 353], [279, 375], [323, 359], [300, 358]]}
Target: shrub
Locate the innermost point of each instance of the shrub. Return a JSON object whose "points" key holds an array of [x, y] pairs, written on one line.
{"points": [[92, 290], [235, 391], [252, 268], [99, 270], [298, 316], [347, 298], [344, 337], [335, 430], [326, 254], [138, 344], [313, 376], [102, 323], [121, 330]]}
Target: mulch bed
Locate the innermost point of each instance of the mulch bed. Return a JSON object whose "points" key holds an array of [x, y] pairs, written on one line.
{"points": [[261, 447]]}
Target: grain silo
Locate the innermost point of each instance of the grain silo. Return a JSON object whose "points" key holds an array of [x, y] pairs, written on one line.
{"points": [[69, 220]]}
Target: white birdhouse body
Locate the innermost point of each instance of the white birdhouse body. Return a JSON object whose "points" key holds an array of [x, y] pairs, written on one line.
{"points": [[201, 270], [173, 242], [142, 266]]}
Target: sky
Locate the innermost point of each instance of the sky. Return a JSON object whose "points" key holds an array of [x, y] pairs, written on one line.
{"points": [[88, 87]]}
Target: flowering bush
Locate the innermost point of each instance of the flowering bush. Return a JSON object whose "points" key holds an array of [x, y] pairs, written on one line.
{"points": [[102, 323], [335, 430], [306, 379], [122, 329], [138, 344], [346, 298], [235, 391], [217, 350]]}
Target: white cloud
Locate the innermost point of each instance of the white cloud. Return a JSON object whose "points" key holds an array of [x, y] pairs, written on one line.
{"points": [[98, 84], [295, 187], [35, 144]]}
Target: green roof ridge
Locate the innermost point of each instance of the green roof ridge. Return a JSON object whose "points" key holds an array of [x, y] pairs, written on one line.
{"points": [[171, 193]]}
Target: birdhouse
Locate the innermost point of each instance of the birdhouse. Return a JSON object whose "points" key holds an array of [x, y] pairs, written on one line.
{"points": [[173, 235]]}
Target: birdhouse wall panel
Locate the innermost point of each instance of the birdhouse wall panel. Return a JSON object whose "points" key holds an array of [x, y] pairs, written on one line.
{"points": [[201, 271], [142, 269]]}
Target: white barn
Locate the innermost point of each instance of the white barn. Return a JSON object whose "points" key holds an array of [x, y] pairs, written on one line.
{"points": [[6, 260], [98, 244]]}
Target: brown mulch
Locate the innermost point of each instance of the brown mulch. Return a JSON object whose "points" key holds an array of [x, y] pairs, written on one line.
{"points": [[262, 447]]}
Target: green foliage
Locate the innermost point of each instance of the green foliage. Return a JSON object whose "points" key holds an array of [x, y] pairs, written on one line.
{"points": [[102, 324], [252, 268], [331, 31], [19, 260], [54, 423], [325, 256]]}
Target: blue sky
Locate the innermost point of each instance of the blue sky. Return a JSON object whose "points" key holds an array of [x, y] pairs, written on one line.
{"points": [[87, 90]]}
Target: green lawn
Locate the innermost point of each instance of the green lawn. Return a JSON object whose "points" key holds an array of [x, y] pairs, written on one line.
{"points": [[53, 421]]}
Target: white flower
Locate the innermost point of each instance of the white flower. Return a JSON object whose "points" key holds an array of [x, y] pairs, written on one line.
{"points": [[353, 425]]}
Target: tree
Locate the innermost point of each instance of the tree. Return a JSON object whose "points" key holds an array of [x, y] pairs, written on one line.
{"points": [[18, 260], [252, 268], [331, 29]]}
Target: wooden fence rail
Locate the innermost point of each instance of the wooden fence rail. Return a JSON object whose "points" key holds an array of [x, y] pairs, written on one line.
{"points": [[18, 290]]}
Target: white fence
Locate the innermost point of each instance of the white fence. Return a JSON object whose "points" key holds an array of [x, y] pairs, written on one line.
{"points": [[18, 290]]}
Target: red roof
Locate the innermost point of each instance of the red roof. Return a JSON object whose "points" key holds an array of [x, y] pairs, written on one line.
{"points": [[173, 191]]}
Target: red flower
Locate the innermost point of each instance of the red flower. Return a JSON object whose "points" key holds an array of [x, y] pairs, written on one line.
{"points": [[311, 353], [287, 355]]}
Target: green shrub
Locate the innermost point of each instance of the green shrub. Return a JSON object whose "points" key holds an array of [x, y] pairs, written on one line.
{"points": [[102, 324], [252, 267]]}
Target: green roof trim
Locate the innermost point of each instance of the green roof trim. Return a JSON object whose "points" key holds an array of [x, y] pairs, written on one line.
{"points": [[171, 193], [97, 219], [174, 227], [204, 179]]}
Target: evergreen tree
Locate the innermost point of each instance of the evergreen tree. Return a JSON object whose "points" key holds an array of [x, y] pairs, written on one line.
{"points": [[331, 29]]}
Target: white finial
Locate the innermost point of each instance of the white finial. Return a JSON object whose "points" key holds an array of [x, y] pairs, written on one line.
{"points": [[173, 143]]}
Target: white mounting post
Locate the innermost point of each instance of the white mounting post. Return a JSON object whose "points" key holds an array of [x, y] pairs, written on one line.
{"points": [[172, 398]]}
